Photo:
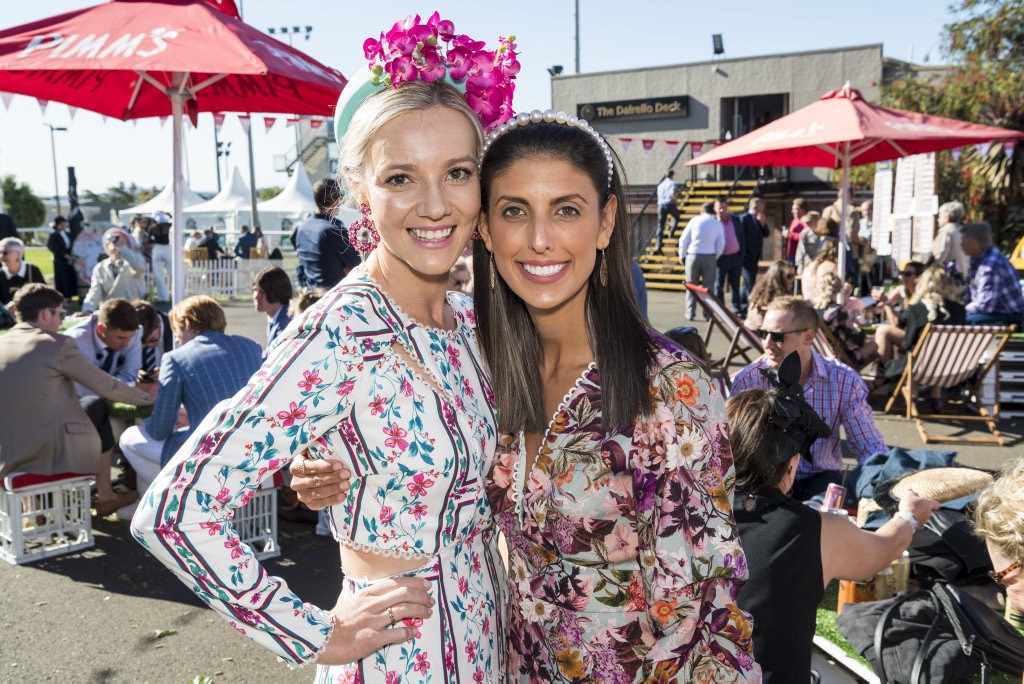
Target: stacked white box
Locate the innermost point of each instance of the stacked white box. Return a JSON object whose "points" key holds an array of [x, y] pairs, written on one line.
{"points": [[256, 524], [48, 517]]}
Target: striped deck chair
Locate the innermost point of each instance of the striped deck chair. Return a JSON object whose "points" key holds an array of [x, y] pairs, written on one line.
{"points": [[827, 345], [742, 342], [950, 355]]}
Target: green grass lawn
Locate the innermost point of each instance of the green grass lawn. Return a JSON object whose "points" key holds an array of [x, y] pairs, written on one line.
{"points": [[41, 257]]}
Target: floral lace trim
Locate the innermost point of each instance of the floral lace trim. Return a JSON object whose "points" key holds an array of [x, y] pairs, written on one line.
{"points": [[406, 318], [519, 470], [386, 553], [319, 649]]}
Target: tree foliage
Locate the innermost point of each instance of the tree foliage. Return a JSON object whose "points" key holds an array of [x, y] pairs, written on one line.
{"points": [[269, 193], [984, 44], [27, 210]]}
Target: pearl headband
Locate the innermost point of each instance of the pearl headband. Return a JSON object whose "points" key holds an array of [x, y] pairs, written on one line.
{"points": [[551, 116]]}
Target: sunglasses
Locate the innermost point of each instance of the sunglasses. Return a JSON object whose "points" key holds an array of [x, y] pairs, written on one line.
{"points": [[62, 312], [909, 274], [998, 577], [777, 336]]}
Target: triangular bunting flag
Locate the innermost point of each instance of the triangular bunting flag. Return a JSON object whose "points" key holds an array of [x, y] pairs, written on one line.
{"points": [[72, 111], [291, 121], [7, 98], [218, 120], [983, 149], [956, 153], [163, 120], [135, 123], [696, 147], [648, 146], [268, 122], [625, 143], [673, 145], [1008, 148], [245, 120], [42, 105], [315, 124]]}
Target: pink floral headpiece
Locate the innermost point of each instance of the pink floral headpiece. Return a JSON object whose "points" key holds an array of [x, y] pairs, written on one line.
{"points": [[433, 51]]}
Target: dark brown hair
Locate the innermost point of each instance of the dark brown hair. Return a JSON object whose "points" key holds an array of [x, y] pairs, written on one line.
{"points": [[752, 437], [31, 299], [275, 284], [616, 329], [118, 314]]}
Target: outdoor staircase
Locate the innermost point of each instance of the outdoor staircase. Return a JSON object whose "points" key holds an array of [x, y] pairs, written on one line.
{"points": [[662, 270]]}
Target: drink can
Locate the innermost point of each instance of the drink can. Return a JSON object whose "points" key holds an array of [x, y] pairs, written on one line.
{"points": [[834, 497]]}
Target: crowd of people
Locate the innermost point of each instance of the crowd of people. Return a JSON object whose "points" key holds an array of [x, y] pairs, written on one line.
{"points": [[431, 396]]}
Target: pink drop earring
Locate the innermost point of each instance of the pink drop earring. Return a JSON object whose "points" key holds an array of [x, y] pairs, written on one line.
{"points": [[362, 233]]}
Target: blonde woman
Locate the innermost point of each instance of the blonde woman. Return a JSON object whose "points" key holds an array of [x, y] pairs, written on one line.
{"points": [[930, 303], [998, 519]]}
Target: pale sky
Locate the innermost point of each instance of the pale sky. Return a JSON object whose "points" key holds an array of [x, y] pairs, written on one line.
{"points": [[613, 35]]}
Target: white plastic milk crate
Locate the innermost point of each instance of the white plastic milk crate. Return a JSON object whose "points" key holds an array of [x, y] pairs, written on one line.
{"points": [[42, 516], [256, 523]]}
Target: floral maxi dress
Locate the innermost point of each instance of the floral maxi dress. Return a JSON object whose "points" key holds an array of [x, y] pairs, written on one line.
{"points": [[624, 557], [408, 410]]}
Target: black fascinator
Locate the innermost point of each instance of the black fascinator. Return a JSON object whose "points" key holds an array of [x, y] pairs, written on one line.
{"points": [[798, 424]]}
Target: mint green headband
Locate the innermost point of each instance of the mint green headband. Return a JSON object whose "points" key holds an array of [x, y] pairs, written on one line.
{"points": [[357, 90]]}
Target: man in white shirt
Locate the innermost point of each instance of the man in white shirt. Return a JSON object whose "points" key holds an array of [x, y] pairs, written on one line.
{"points": [[700, 245], [667, 206]]}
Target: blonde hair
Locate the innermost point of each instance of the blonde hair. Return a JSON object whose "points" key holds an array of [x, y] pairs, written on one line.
{"points": [[828, 287], [201, 314], [387, 105], [934, 287], [802, 310], [999, 512]]}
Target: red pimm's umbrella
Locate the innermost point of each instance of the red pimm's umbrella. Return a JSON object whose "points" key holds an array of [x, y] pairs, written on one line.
{"points": [[841, 130], [133, 59]]}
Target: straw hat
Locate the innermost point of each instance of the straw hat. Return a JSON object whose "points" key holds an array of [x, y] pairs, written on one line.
{"points": [[942, 484]]}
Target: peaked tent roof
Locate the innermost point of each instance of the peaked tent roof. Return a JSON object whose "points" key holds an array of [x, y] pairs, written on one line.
{"points": [[232, 197], [296, 198], [164, 201]]}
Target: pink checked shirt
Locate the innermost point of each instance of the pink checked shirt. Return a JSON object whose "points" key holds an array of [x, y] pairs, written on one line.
{"points": [[840, 397]]}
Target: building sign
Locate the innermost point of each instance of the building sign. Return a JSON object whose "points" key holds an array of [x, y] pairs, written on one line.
{"points": [[677, 107]]}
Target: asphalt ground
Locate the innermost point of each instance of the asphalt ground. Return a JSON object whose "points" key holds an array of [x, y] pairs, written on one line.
{"points": [[113, 614]]}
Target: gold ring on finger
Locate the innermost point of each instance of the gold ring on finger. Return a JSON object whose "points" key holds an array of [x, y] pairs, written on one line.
{"points": [[301, 467], [391, 615]]}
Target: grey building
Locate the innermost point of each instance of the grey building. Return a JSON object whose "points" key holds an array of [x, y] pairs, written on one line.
{"points": [[710, 101]]}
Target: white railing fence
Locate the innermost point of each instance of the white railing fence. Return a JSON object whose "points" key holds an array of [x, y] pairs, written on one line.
{"points": [[221, 278]]}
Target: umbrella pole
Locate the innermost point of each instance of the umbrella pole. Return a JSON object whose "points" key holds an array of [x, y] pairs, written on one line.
{"points": [[178, 225], [845, 189]]}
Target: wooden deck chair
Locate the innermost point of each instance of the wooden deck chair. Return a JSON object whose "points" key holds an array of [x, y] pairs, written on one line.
{"points": [[946, 356], [826, 344], [742, 342]]}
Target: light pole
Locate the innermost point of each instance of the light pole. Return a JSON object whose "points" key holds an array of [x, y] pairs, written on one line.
{"points": [[53, 151], [291, 33]]}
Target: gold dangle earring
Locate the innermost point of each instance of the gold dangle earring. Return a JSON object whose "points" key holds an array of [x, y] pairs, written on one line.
{"points": [[602, 273], [490, 269]]}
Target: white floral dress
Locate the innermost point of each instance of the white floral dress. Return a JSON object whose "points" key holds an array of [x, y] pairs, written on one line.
{"points": [[408, 410]]}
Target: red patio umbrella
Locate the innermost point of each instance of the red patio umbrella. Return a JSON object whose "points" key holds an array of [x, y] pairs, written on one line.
{"points": [[841, 130], [133, 59]]}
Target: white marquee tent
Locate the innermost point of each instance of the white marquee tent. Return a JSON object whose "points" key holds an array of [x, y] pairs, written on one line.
{"points": [[225, 211], [164, 201], [295, 200]]}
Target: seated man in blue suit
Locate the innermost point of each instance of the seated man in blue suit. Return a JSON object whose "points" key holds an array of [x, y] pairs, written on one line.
{"points": [[207, 367]]}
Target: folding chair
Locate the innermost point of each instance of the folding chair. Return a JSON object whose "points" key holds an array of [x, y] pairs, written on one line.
{"points": [[828, 346], [950, 355], [742, 342]]}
